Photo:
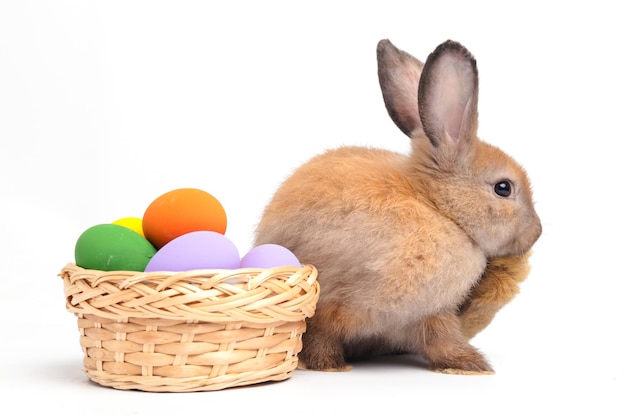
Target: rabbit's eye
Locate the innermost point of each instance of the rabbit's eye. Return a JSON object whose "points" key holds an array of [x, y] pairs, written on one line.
{"points": [[503, 188]]}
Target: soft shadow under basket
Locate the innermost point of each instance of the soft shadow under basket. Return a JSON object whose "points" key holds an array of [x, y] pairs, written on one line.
{"points": [[198, 330]]}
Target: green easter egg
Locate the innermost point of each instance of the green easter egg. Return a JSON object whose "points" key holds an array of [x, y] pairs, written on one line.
{"points": [[112, 247]]}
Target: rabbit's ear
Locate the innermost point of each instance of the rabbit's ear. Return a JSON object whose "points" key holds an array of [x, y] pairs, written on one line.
{"points": [[448, 97], [399, 75]]}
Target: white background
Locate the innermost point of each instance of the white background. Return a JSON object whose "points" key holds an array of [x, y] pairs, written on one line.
{"points": [[106, 105]]}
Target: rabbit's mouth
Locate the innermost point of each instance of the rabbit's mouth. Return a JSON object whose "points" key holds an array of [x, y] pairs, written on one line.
{"points": [[530, 234], [519, 243], [523, 242]]}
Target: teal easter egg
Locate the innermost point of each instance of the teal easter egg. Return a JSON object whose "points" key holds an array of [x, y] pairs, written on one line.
{"points": [[113, 247]]}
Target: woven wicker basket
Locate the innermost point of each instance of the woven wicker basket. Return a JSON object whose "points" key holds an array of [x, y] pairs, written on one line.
{"points": [[200, 330]]}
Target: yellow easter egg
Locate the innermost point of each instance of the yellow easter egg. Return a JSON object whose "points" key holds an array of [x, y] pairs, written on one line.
{"points": [[133, 223]]}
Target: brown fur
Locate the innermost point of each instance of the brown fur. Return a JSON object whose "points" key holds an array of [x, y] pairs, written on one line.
{"points": [[497, 287], [401, 241]]}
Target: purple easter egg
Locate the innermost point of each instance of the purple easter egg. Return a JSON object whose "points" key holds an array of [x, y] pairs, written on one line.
{"points": [[196, 250], [269, 256]]}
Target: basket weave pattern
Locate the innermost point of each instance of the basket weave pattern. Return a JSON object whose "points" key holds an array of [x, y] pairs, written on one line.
{"points": [[190, 331]]}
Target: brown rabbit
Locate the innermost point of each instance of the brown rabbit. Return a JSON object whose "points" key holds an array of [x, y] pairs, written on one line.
{"points": [[399, 240]]}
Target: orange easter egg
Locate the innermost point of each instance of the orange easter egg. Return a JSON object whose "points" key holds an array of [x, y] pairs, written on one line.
{"points": [[182, 211]]}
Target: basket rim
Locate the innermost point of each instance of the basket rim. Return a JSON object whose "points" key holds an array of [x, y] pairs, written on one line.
{"points": [[260, 295]]}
